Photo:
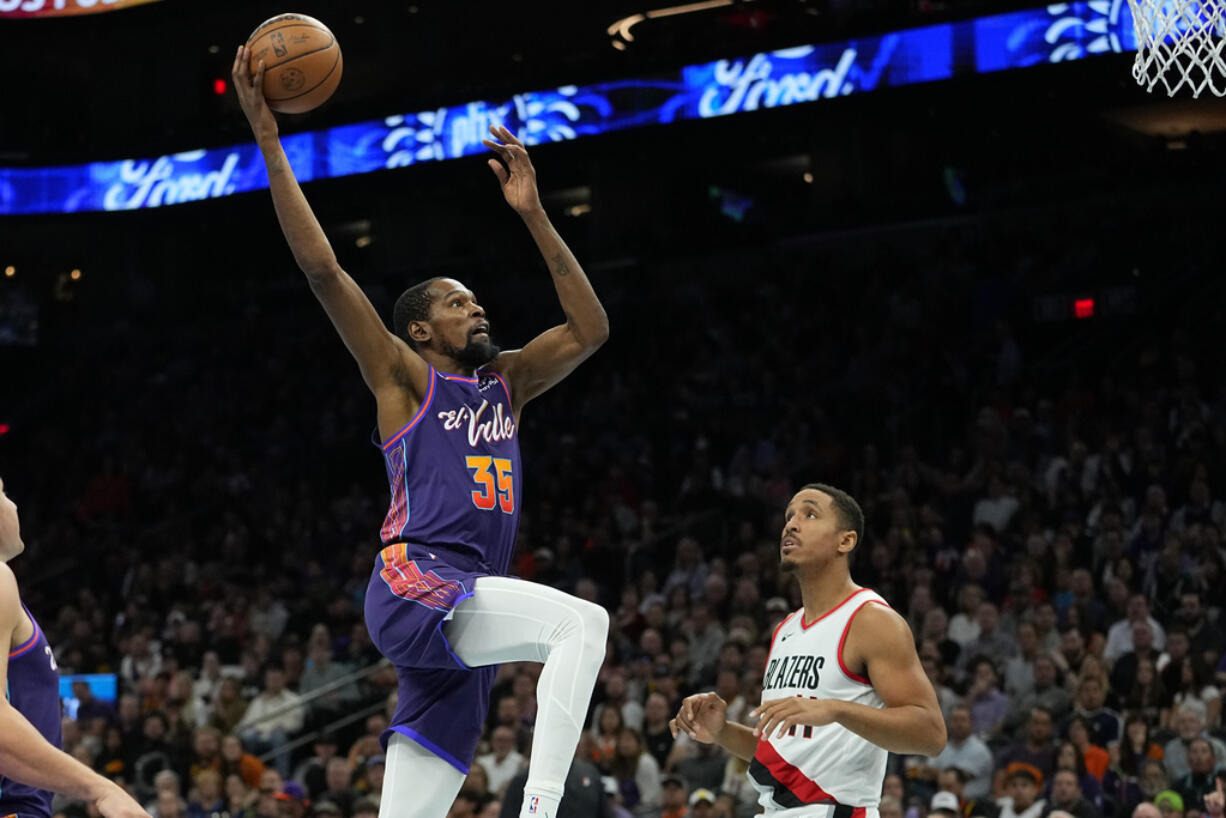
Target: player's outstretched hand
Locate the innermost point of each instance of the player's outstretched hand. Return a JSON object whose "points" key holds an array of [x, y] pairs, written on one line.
{"points": [[116, 803], [702, 717], [515, 172], [250, 90], [780, 715]]}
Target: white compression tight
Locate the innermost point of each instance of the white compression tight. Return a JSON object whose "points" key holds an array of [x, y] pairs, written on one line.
{"points": [[511, 620]]}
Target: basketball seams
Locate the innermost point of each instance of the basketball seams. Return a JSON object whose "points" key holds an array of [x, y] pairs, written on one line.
{"points": [[330, 43], [317, 86]]}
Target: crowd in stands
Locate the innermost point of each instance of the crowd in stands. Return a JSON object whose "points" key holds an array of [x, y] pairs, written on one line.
{"points": [[1049, 520]]}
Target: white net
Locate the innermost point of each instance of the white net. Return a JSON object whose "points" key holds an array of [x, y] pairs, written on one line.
{"points": [[1180, 44]]}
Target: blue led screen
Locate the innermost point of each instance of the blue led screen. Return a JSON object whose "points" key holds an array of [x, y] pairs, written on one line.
{"points": [[1051, 34]]}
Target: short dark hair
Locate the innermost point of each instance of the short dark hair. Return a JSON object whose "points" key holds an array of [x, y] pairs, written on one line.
{"points": [[412, 305], [849, 510]]}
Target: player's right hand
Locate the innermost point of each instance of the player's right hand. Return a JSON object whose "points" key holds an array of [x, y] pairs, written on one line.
{"points": [[250, 90], [702, 717], [116, 803]]}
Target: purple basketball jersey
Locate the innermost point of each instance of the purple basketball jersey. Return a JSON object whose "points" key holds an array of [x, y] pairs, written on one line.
{"points": [[455, 480], [454, 473], [34, 690]]}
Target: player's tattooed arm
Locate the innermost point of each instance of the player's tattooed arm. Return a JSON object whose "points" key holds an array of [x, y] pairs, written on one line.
{"points": [[387, 364], [555, 353]]}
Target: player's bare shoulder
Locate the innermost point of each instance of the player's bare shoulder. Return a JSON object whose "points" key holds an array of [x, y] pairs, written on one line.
{"points": [[877, 630]]}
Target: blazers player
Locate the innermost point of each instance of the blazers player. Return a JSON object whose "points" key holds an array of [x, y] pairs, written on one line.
{"points": [[843, 685]]}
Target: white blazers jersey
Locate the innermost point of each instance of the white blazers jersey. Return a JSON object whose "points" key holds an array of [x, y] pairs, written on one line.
{"points": [[818, 772]]}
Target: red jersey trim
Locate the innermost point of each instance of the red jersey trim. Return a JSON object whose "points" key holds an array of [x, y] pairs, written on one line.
{"points": [[832, 610], [775, 635], [791, 776], [843, 640], [24, 647], [425, 404]]}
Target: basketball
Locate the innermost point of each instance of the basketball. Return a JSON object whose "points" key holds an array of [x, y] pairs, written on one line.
{"points": [[302, 62]]}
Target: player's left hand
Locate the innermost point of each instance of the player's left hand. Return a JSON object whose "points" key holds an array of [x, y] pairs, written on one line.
{"points": [[780, 715], [515, 172]]}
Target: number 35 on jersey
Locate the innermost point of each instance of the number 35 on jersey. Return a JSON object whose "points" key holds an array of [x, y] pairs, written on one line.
{"points": [[494, 484]]}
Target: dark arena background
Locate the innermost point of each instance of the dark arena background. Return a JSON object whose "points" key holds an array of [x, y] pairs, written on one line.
{"points": [[944, 255]]}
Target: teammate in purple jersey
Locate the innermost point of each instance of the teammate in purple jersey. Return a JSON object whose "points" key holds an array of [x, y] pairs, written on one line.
{"points": [[449, 401], [32, 766]]}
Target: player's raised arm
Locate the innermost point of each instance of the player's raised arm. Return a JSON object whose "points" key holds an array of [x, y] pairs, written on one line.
{"points": [[28, 758], [555, 353], [385, 361]]}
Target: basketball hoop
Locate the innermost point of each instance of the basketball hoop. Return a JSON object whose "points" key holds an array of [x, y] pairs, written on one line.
{"points": [[1180, 45]]}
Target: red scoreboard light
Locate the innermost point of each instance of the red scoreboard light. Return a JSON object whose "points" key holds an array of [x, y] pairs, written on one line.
{"points": [[1083, 308]]}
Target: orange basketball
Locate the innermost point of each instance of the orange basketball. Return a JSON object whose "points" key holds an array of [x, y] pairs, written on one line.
{"points": [[302, 62]]}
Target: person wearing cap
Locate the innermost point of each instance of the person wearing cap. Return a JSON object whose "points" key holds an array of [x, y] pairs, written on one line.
{"points": [[673, 798], [327, 809], [1169, 803], [1024, 782], [372, 774], [291, 800], [843, 686], [702, 803], [613, 797], [944, 804]]}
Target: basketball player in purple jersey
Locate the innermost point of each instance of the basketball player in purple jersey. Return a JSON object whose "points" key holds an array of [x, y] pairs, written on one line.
{"points": [[32, 766], [439, 604]]}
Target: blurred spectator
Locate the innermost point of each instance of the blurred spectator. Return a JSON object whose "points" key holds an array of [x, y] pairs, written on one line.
{"points": [[657, 736], [503, 761], [1120, 635], [1196, 686], [1137, 746], [1169, 803], [637, 773], [583, 794], [229, 707], [236, 761], [1070, 759], [1104, 722], [604, 735], [210, 798], [292, 800], [1201, 778], [1047, 693], [987, 704], [1066, 796], [966, 752], [272, 718], [338, 776], [311, 772], [1024, 784], [1189, 725], [1036, 750]]}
